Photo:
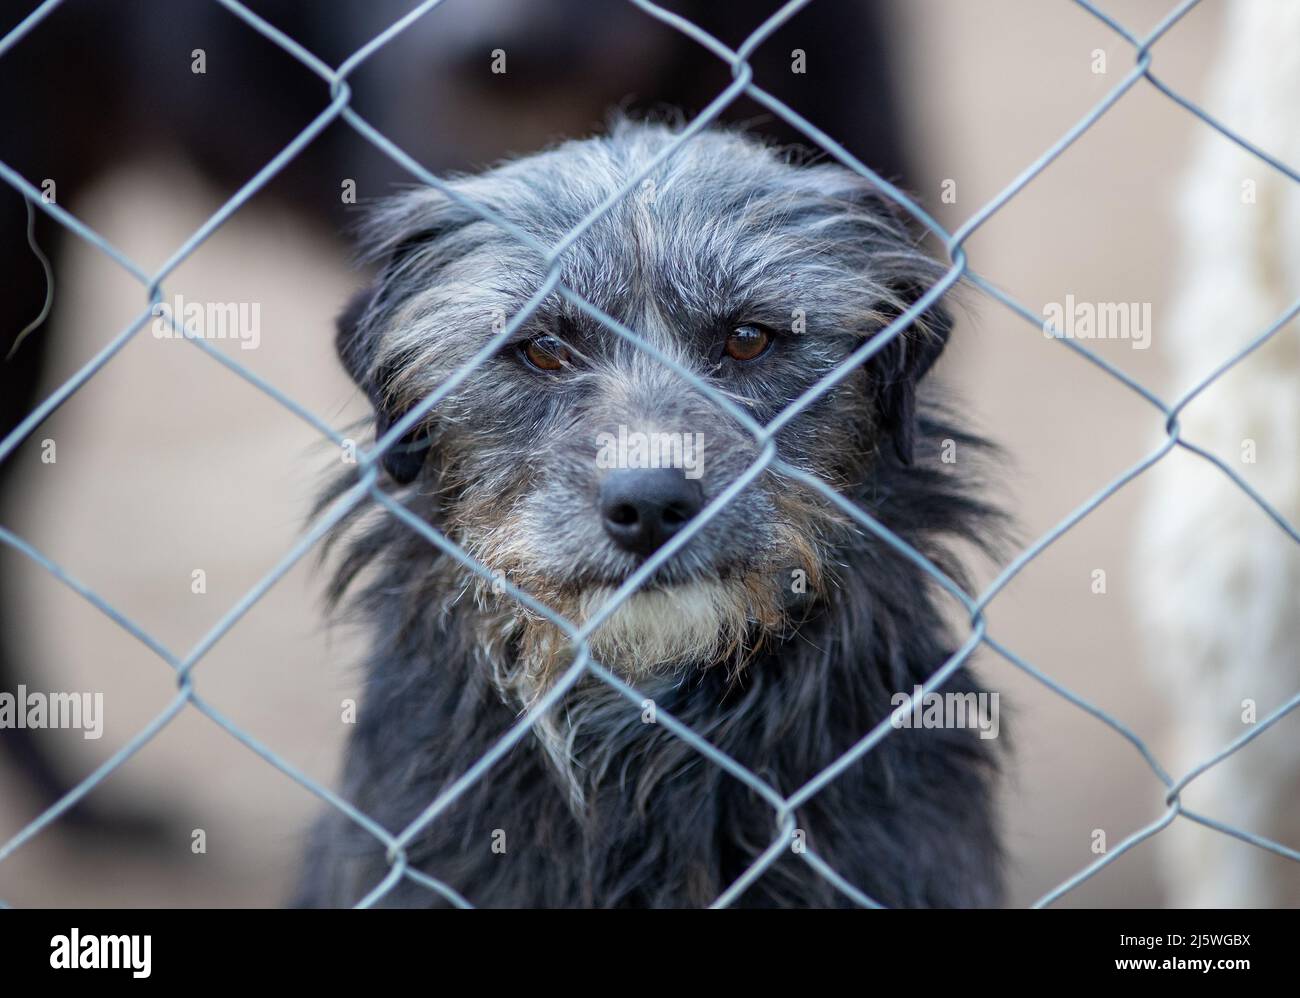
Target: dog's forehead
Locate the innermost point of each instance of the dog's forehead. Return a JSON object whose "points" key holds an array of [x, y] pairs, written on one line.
{"points": [[721, 228], [678, 248]]}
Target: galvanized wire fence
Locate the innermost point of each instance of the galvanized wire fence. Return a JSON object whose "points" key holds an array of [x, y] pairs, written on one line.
{"points": [[367, 487]]}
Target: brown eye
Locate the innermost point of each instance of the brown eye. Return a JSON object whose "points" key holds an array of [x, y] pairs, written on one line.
{"points": [[747, 342], [546, 353]]}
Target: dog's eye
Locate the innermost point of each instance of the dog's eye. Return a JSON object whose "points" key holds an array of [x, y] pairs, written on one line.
{"points": [[546, 353], [747, 342]]}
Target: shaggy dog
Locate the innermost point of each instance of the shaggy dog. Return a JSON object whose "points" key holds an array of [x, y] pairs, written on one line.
{"points": [[779, 632]]}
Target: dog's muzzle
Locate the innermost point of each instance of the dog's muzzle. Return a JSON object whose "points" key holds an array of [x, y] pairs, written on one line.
{"points": [[642, 508]]}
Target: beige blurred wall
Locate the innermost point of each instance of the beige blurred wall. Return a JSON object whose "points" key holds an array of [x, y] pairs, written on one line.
{"points": [[993, 85], [168, 463]]}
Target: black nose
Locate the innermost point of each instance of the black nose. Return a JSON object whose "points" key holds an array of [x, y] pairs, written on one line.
{"points": [[643, 507]]}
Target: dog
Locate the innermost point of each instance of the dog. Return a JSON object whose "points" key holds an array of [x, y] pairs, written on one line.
{"points": [[438, 93], [782, 632]]}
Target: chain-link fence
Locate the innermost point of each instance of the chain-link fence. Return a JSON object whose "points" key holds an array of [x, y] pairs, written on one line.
{"points": [[367, 487]]}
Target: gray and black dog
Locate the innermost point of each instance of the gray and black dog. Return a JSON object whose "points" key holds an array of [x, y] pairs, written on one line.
{"points": [[779, 632]]}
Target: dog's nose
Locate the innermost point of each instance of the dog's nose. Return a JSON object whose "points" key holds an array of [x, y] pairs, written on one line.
{"points": [[643, 507]]}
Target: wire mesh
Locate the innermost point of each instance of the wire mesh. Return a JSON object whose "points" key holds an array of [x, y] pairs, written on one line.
{"points": [[367, 487]]}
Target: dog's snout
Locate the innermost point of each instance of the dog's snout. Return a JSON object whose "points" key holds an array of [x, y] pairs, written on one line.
{"points": [[643, 507]]}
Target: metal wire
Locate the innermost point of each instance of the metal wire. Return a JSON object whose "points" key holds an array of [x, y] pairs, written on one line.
{"points": [[367, 486]]}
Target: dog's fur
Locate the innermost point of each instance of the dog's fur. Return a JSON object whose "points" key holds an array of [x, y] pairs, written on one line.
{"points": [[598, 807]]}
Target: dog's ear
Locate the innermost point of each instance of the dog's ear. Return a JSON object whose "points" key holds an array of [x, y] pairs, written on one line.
{"points": [[357, 344], [901, 272], [900, 366], [405, 237]]}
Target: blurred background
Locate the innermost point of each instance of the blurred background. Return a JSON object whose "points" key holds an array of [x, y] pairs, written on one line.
{"points": [[168, 463]]}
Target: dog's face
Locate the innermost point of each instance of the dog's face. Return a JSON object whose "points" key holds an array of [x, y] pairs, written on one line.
{"points": [[570, 455]]}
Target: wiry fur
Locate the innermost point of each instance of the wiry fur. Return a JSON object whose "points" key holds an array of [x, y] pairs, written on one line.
{"points": [[599, 807]]}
